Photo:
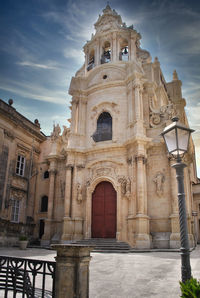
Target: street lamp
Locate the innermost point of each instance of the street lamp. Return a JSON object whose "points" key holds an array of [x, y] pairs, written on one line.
{"points": [[176, 136]]}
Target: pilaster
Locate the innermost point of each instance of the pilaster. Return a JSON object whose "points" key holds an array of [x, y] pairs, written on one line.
{"points": [[142, 237]]}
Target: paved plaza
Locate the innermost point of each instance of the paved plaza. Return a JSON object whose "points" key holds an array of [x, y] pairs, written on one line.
{"points": [[137, 275]]}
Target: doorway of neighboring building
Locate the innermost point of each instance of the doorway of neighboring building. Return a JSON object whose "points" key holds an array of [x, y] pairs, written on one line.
{"points": [[104, 208], [41, 228]]}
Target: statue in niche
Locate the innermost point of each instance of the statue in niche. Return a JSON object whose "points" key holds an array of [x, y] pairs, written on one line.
{"points": [[128, 186], [159, 181], [56, 132], [125, 186], [79, 193]]}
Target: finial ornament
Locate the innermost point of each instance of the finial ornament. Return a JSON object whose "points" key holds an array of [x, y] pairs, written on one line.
{"points": [[175, 75]]}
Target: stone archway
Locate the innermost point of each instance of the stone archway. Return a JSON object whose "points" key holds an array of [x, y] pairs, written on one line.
{"points": [[104, 211]]}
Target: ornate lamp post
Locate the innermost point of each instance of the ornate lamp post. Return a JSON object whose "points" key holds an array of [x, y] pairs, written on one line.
{"points": [[176, 137]]}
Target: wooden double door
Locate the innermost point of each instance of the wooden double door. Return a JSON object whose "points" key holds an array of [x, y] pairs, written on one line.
{"points": [[104, 208]]}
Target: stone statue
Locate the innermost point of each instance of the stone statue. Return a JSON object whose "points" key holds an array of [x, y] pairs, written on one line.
{"points": [[159, 180], [65, 134], [128, 186], [125, 186], [56, 132]]}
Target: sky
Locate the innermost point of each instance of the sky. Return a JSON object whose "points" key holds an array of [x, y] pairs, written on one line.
{"points": [[41, 48]]}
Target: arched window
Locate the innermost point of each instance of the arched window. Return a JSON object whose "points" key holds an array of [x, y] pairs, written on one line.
{"points": [[106, 55], [91, 60], [46, 174], [104, 128], [44, 204]]}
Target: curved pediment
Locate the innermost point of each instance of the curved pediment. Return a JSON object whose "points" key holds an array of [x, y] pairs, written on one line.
{"points": [[105, 74]]}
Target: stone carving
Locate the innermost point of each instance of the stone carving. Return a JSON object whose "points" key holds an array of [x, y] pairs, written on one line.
{"points": [[87, 183], [128, 186], [159, 181], [158, 116], [65, 134], [104, 107], [109, 20], [19, 182], [56, 132], [79, 193], [129, 160], [125, 186], [17, 194], [9, 134], [103, 171], [142, 55]]}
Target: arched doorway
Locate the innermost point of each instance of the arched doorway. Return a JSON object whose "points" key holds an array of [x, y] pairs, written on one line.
{"points": [[104, 211]]}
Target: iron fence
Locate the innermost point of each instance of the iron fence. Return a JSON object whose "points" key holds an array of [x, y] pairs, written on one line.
{"points": [[26, 278]]}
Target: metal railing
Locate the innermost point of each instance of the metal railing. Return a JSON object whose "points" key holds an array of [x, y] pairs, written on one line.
{"points": [[31, 278]]}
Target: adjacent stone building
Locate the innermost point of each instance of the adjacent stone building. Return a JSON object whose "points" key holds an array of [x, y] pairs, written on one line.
{"points": [[20, 141], [109, 175]]}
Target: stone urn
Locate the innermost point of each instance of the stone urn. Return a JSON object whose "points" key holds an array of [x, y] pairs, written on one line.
{"points": [[23, 242]]}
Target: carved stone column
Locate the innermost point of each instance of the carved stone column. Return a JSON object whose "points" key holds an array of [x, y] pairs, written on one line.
{"points": [[74, 116], [139, 125], [130, 95], [132, 47], [97, 61], [114, 47], [142, 238], [175, 230], [141, 184], [82, 116], [48, 222], [67, 222]]}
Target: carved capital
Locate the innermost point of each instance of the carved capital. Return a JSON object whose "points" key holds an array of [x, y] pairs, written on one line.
{"points": [[52, 172], [129, 160], [69, 167], [140, 158], [80, 166]]}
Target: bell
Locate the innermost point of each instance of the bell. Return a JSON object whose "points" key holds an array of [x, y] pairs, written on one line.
{"points": [[125, 51]]}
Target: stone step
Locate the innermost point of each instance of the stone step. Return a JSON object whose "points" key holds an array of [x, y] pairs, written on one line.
{"points": [[105, 244]]}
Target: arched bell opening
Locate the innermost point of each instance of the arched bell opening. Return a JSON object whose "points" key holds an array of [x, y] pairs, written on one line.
{"points": [[124, 51], [106, 55], [91, 60]]}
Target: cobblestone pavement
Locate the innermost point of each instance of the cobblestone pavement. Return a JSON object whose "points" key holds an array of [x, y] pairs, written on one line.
{"points": [[128, 275]]}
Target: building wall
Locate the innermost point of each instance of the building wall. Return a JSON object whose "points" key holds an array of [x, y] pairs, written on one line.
{"points": [[19, 137]]}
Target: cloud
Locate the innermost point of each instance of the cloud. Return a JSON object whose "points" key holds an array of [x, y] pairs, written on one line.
{"points": [[31, 64], [32, 91], [75, 54]]}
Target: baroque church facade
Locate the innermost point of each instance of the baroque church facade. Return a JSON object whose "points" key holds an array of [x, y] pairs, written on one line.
{"points": [[109, 175]]}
